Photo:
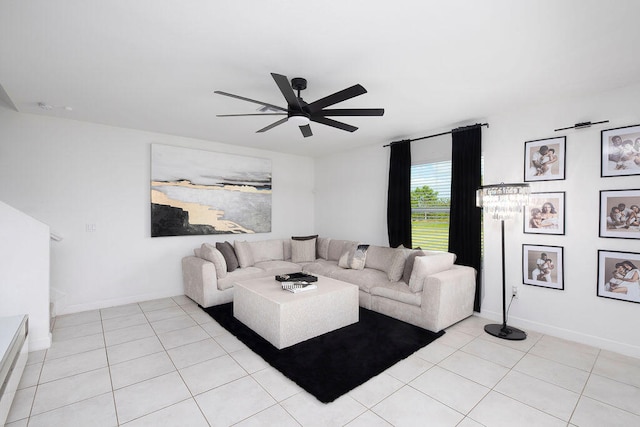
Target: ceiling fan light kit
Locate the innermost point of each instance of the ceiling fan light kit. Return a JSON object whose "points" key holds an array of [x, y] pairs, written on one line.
{"points": [[300, 113], [298, 120]]}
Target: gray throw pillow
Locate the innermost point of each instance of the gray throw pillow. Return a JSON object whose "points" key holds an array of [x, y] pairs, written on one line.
{"points": [[226, 249], [303, 250]]}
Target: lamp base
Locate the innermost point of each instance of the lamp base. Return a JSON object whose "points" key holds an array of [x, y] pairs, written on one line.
{"points": [[505, 332]]}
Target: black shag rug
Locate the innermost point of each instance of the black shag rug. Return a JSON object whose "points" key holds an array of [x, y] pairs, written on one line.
{"points": [[330, 365]]}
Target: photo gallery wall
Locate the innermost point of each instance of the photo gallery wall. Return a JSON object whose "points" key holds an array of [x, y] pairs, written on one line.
{"points": [[543, 265]]}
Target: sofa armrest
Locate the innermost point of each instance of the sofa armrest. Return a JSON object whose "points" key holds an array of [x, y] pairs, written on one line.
{"points": [[200, 280], [448, 297]]}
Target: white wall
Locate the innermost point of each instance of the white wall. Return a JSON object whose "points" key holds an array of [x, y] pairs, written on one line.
{"points": [[68, 174], [357, 181], [24, 272]]}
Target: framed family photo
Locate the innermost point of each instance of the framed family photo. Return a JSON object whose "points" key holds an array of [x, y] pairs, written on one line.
{"points": [[618, 275], [545, 159], [545, 213], [620, 151], [620, 214], [543, 266]]}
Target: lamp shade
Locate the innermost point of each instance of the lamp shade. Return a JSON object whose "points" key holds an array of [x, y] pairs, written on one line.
{"points": [[502, 201]]}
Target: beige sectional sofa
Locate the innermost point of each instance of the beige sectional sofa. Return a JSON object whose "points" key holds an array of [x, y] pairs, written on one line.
{"points": [[424, 288]]}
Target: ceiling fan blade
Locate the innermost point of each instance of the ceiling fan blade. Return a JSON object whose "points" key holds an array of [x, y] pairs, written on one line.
{"points": [[272, 125], [343, 95], [250, 100], [350, 112], [334, 123], [253, 114], [306, 131], [287, 91]]}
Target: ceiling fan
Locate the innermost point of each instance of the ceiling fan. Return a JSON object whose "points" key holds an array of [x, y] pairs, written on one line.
{"points": [[300, 113]]}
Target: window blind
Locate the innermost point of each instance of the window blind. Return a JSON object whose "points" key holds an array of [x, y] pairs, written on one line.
{"points": [[430, 202]]}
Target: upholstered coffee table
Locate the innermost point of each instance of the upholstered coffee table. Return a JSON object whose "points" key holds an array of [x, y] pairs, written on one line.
{"points": [[284, 318]]}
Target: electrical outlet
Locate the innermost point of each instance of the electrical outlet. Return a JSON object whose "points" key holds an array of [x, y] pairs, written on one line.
{"points": [[514, 291]]}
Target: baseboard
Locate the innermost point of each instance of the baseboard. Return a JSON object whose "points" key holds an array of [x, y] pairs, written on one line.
{"points": [[592, 340], [96, 305], [39, 343]]}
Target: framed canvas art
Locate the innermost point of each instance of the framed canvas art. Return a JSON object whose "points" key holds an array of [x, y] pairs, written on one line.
{"points": [[618, 275], [620, 149], [545, 213], [203, 192], [620, 214], [543, 266], [545, 159]]}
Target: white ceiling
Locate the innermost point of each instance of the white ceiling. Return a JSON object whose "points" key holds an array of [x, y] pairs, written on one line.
{"points": [[432, 64]]}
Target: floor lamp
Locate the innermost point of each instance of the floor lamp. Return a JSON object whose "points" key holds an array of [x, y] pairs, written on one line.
{"points": [[503, 201]]}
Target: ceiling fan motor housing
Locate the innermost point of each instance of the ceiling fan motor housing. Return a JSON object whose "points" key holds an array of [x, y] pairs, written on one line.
{"points": [[298, 83]]}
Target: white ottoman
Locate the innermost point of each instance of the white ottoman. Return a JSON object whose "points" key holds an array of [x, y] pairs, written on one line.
{"points": [[284, 318]]}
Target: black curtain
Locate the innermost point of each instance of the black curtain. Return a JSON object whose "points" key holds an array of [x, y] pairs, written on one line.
{"points": [[399, 195], [465, 223]]}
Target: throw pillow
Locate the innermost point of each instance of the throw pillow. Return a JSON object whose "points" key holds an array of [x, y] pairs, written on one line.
{"points": [[303, 250], [359, 257], [244, 254], [348, 250], [226, 249], [427, 266], [210, 253], [315, 236], [408, 264]]}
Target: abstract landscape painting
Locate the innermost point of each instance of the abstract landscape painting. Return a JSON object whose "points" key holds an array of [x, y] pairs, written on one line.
{"points": [[202, 192]]}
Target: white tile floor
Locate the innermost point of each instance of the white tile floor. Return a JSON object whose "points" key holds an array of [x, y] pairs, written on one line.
{"points": [[166, 362]]}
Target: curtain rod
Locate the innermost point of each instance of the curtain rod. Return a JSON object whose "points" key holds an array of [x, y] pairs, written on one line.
{"points": [[439, 134]]}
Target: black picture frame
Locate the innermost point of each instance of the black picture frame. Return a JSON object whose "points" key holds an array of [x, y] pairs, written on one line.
{"points": [[625, 224], [619, 157], [545, 213], [543, 266], [545, 159], [617, 284]]}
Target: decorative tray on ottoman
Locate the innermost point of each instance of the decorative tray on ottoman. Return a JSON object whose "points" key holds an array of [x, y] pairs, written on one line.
{"points": [[296, 277]]}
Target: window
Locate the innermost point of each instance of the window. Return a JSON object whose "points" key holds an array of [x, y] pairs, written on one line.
{"points": [[430, 202]]}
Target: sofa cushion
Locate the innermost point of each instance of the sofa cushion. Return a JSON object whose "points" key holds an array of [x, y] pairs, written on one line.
{"points": [[428, 265], [322, 247], [321, 267], [364, 279], [267, 250], [408, 264], [229, 254], [273, 268], [336, 249], [389, 260], [244, 254], [211, 254], [303, 250], [398, 291], [239, 275], [286, 243]]}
